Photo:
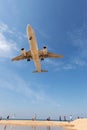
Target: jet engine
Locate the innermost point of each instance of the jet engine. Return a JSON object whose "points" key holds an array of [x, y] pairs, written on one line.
{"points": [[23, 52], [45, 50]]}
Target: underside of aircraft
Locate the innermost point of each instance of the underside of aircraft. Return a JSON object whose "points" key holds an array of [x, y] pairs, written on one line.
{"points": [[35, 54]]}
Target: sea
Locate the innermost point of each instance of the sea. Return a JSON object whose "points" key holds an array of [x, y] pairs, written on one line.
{"points": [[2, 127]]}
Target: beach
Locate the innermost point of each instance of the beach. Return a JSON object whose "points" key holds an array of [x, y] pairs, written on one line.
{"points": [[79, 124]]}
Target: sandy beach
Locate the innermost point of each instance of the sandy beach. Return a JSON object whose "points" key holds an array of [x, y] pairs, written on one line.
{"points": [[79, 124]]}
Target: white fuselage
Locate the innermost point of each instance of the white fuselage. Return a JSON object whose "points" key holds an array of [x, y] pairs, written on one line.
{"points": [[33, 47]]}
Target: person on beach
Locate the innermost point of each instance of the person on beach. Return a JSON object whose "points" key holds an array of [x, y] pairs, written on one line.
{"points": [[59, 118], [48, 119], [64, 118], [7, 117], [13, 117], [34, 117], [0, 118], [70, 117]]}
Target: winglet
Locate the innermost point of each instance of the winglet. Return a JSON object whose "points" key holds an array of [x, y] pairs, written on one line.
{"points": [[36, 71]]}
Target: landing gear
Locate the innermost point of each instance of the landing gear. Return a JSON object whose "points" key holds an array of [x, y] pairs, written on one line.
{"points": [[28, 59], [42, 58], [30, 38]]}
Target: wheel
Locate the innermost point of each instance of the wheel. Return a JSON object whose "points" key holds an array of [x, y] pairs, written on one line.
{"points": [[42, 58], [28, 59], [30, 38]]}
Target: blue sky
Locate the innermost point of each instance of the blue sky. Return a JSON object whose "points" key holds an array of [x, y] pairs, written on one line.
{"points": [[61, 25]]}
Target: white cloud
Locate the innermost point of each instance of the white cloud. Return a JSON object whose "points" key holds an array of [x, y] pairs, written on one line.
{"points": [[60, 65], [18, 85], [32, 92], [7, 45], [78, 39], [54, 62], [5, 28], [68, 67], [8, 38]]}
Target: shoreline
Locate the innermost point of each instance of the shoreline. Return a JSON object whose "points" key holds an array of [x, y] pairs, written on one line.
{"points": [[79, 124], [33, 123]]}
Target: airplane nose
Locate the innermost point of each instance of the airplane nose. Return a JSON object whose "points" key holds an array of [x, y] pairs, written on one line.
{"points": [[29, 30], [28, 25]]}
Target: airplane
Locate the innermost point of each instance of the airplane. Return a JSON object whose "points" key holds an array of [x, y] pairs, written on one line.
{"points": [[34, 53]]}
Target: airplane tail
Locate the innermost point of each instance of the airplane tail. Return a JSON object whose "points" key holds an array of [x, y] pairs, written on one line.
{"points": [[36, 71]]}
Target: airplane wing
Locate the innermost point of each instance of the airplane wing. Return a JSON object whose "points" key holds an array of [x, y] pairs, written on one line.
{"points": [[49, 55], [22, 57], [52, 55]]}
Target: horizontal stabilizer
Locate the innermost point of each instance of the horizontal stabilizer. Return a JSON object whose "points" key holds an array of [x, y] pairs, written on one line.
{"points": [[44, 71], [36, 71]]}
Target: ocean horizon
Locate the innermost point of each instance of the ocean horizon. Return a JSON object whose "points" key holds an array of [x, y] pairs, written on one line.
{"points": [[32, 119]]}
